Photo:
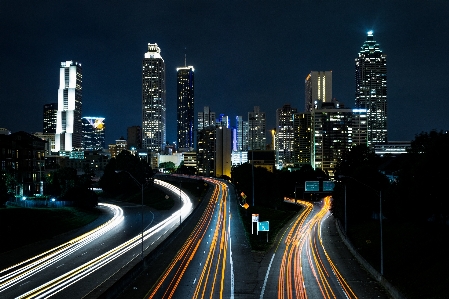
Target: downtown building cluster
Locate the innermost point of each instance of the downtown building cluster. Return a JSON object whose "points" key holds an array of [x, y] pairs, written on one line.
{"points": [[318, 135]]}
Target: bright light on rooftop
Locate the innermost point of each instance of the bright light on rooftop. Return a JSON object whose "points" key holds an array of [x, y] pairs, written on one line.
{"points": [[370, 32]]}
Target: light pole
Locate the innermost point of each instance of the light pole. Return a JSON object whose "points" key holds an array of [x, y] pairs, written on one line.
{"points": [[380, 219], [141, 210], [180, 201]]}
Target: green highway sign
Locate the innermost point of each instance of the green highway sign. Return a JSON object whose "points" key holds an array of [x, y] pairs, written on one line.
{"points": [[312, 186]]}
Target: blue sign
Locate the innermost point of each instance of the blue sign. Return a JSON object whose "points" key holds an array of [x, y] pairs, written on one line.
{"points": [[312, 186], [328, 186], [264, 226]]}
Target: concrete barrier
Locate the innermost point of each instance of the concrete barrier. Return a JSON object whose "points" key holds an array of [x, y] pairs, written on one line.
{"points": [[393, 292]]}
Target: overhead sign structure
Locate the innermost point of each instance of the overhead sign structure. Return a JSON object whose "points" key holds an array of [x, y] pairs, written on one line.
{"points": [[328, 186], [312, 186]]}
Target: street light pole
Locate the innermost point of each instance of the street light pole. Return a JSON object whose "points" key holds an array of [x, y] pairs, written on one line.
{"points": [[180, 201], [346, 219], [380, 217], [381, 237]]}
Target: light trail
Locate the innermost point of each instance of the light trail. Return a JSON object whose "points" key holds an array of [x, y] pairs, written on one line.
{"points": [[63, 281], [304, 239], [211, 280], [23, 270]]}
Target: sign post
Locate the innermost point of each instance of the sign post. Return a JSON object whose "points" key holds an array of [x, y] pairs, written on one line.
{"points": [[264, 226], [254, 218]]}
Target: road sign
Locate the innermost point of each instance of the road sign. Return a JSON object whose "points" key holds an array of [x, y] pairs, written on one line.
{"points": [[312, 186], [255, 217], [328, 186], [245, 205], [264, 226]]}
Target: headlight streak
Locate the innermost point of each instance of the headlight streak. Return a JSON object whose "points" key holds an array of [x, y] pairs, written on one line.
{"points": [[58, 284], [308, 233], [216, 256], [16, 273]]}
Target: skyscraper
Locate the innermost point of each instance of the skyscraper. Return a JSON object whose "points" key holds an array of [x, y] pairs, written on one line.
{"points": [[153, 100], [93, 133], [206, 118], [371, 88], [257, 135], [185, 104], [68, 119], [318, 86], [284, 140], [49, 124]]}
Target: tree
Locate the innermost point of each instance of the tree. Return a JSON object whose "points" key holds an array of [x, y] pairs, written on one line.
{"points": [[119, 172], [169, 166]]}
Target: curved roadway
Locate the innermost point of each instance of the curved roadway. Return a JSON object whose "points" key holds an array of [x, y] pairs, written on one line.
{"points": [[70, 270]]}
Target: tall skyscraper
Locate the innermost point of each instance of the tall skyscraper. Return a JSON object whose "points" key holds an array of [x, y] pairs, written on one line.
{"points": [[318, 86], [284, 140], [153, 100], [257, 134], [241, 134], [185, 101], [68, 119], [50, 112], [371, 88], [93, 133]]}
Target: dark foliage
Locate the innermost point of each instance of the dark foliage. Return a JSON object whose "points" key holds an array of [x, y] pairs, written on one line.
{"points": [[123, 172]]}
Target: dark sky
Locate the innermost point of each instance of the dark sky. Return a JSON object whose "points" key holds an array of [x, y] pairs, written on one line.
{"points": [[245, 54]]}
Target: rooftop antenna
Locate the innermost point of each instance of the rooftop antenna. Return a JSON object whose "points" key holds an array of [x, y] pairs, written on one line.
{"points": [[185, 57]]}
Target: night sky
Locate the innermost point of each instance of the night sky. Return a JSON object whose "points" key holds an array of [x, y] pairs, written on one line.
{"points": [[245, 54]]}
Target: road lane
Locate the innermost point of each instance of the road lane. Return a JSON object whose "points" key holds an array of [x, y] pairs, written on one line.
{"points": [[64, 274]]}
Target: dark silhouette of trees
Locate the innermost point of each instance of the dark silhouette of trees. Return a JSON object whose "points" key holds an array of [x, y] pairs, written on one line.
{"points": [[116, 178], [270, 188], [420, 189]]}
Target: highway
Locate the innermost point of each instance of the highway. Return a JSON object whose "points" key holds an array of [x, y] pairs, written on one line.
{"points": [[202, 268], [70, 270]]}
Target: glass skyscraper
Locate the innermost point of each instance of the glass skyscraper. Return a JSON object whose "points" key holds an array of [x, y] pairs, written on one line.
{"points": [[185, 103], [371, 89], [68, 119], [153, 100]]}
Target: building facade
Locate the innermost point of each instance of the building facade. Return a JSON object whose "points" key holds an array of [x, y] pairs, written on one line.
{"points": [[153, 100], [371, 88], [318, 86], [68, 119], [185, 103], [257, 135], [50, 114], [284, 136], [206, 118], [93, 133], [134, 137]]}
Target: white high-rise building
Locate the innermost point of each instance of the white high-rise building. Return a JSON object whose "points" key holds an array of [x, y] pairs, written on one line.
{"points": [[153, 100], [68, 119], [318, 86]]}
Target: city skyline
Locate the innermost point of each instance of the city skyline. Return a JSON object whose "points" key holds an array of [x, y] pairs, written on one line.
{"points": [[257, 55]]}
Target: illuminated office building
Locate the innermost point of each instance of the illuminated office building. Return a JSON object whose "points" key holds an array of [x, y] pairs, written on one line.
{"points": [[153, 100], [185, 103], [371, 88], [318, 87], [206, 118], [284, 136], [93, 133], [68, 119], [50, 113], [257, 135]]}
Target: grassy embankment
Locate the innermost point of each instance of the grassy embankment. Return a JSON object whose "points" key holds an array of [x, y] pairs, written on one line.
{"points": [[415, 255], [22, 226], [278, 218]]}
